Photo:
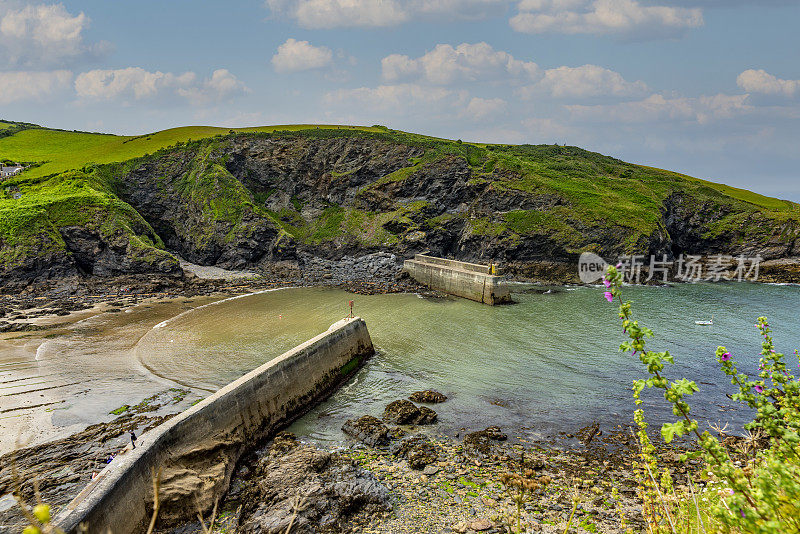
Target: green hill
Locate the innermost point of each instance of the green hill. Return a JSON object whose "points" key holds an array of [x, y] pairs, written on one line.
{"points": [[61, 150], [103, 204]]}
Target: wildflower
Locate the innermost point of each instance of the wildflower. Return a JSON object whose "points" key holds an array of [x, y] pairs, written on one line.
{"points": [[606, 283], [742, 512], [730, 490], [759, 389], [619, 265], [725, 357], [609, 296]]}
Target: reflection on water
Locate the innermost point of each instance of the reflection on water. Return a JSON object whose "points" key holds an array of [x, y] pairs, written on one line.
{"points": [[549, 362]]}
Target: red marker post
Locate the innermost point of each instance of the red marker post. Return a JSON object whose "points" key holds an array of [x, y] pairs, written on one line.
{"points": [[351, 308]]}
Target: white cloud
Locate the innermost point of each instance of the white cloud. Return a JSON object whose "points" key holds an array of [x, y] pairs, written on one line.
{"points": [[547, 129], [657, 108], [294, 55], [222, 85], [379, 13], [397, 98], [760, 81], [42, 35], [445, 65], [481, 108], [18, 86], [584, 81], [604, 17], [479, 62], [135, 83]]}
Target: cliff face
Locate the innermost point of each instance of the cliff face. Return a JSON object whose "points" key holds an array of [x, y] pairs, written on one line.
{"points": [[243, 201]]}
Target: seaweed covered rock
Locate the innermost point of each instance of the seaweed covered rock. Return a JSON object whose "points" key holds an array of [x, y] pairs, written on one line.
{"points": [[403, 412], [428, 396], [481, 443], [419, 451], [367, 429], [309, 489], [426, 416]]}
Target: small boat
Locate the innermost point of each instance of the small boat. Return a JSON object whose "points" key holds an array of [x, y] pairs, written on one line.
{"points": [[705, 323]]}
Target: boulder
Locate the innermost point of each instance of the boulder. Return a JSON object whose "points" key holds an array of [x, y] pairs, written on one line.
{"points": [[314, 491], [418, 450], [428, 396], [426, 416], [367, 429], [403, 412], [481, 443]]}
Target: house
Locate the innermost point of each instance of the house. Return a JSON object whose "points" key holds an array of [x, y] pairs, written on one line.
{"points": [[5, 172]]}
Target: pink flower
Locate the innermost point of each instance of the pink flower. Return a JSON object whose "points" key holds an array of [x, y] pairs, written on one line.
{"points": [[606, 283], [725, 357], [609, 296], [759, 389]]}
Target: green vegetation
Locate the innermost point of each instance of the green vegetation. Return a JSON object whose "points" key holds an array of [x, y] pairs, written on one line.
{"points": [[62, 150], [752, 486], [121, 410], [578, 197], [29, 224], [350, 366]]}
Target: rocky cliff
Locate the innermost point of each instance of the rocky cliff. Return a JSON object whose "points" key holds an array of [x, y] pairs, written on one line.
{"points": [[249, 200]]}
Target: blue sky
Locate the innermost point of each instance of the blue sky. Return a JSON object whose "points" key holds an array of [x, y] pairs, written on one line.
{"points": [[710, 88]]}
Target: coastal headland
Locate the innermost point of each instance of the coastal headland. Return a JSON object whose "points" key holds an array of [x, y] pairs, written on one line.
{"points": [[101, 224]]}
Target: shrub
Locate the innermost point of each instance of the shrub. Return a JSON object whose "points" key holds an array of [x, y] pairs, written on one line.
{"points": [[757, 493]]}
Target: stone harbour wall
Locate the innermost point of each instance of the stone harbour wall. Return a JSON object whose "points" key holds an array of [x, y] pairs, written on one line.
{"points": [[468, 280], [194, 453]]}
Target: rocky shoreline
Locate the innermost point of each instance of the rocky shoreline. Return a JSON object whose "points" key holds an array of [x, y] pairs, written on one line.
{"points": [[376, 273], [398, 476], [401, 476]]}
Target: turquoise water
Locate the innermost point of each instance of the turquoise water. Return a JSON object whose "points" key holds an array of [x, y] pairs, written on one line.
{"points": [[548, 363]]}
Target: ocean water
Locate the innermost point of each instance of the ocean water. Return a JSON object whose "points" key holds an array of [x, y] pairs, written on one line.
{"points": [[548, 363]]}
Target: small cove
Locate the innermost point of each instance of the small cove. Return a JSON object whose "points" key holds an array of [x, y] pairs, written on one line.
{"points": [[546, 364]]}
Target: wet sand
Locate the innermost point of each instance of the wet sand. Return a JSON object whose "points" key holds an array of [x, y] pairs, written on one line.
{"points": [[73, 373]]}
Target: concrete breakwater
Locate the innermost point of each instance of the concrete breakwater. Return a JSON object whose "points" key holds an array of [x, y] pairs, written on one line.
{"points": [[194, 454], [469, 280]]}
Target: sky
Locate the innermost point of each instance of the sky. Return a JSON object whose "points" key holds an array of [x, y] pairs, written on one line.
{"points": [[710, 88]]}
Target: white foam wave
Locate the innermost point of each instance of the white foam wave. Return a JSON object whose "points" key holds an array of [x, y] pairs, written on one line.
{"points": [[41, 350], [162, 324]]}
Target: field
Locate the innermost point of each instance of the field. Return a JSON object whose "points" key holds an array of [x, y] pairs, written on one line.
{"points": [[64, 150]]}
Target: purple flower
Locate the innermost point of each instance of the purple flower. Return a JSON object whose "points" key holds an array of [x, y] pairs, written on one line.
{"points": [[742, 512], [725, 357], [606, 283], [609, 296], [619, 265], [759, 389]]}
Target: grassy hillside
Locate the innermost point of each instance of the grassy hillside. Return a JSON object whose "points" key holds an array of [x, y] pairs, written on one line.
{"points": [[533, 200], [60, 150]]}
